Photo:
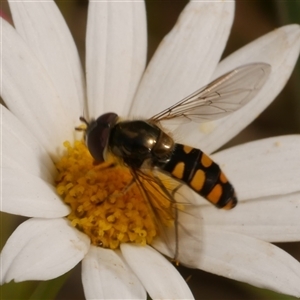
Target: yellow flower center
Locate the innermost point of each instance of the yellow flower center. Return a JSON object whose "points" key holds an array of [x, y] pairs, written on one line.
{"points": [[106, 203]]}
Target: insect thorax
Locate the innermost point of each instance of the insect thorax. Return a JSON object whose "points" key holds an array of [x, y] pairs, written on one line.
{"points": [[138, 141]]}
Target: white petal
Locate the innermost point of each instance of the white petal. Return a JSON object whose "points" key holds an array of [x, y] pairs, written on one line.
{"points": [[186, 58], [28, 92], [43, 28], [41, 250], [106, 276], [248, 260], [116, 54], [263, 168], [183, 242], [159, 276], [280, 48], [22, 151], [273, 219], [27, 195]]}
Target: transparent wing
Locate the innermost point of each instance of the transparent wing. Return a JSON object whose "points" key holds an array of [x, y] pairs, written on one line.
{"points": [[177, 219], [221, 97]]}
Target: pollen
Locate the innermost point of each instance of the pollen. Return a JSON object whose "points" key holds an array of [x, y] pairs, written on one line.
{"points": [[106, 203]]}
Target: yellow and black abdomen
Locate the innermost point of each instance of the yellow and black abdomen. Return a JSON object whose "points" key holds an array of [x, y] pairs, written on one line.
{"points": [[199, 172]]}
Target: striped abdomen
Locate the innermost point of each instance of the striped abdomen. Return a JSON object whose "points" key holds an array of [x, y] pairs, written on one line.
{"points": [[205, 177]]}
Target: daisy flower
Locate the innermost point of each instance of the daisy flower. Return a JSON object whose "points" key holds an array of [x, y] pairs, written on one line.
{"points": [[43, 85]]}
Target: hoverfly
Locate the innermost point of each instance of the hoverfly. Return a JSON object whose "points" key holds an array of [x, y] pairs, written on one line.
{"points": [[143, 144]]}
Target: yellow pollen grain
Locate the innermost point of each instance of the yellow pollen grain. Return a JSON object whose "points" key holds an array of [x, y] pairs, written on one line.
{"points": [[104, 202]]}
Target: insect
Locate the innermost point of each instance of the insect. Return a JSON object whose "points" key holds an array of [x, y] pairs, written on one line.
{"points": [[143, 146]]}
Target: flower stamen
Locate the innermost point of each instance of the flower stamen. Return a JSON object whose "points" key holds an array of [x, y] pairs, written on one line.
{"points": [[106, 202]]}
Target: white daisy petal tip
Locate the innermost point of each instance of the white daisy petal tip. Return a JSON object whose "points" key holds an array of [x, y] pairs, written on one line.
{"points": [[57, 53], [275, 48], [159, 271], [34, 107], [184, 63], [279, 48], [42, 249], [247, 259]]}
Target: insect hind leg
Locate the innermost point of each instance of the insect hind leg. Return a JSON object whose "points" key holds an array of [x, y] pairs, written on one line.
{"points": [[155, 193]]}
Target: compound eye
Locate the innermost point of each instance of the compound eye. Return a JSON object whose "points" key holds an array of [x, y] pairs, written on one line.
{"points": [[97, 135]]}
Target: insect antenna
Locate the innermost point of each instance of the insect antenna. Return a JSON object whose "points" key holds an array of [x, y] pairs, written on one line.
{"points": [[83, 119], [82, 127]]}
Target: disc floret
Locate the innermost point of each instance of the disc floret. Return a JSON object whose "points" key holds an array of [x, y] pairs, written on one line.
{"points": [[106, 204]]}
